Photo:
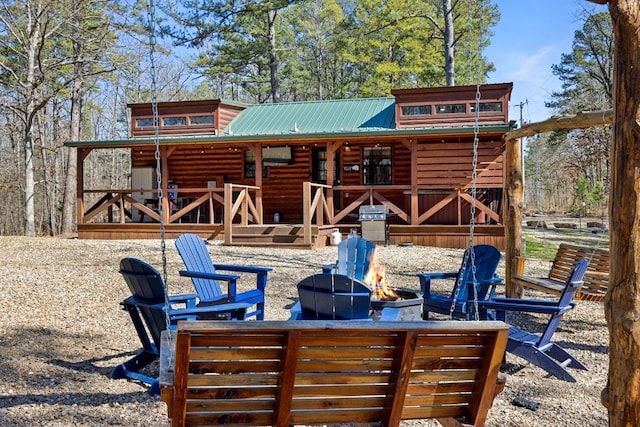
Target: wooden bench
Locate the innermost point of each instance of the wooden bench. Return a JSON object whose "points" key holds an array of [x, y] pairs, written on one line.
{"points": [[285, 373], [596, 279]]}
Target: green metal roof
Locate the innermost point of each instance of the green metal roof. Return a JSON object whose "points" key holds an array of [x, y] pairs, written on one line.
{"points": [[222, 139], [346, 115], [346, 118]]}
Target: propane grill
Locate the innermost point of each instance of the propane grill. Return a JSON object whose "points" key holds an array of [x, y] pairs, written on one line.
{"points": [[373, 223]]}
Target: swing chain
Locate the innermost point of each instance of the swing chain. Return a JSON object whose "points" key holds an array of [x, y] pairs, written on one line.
{"points": [[151, 31], [470, 253]]}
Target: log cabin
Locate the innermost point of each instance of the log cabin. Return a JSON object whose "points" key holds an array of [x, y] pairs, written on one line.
{"points": [[292, 173]]}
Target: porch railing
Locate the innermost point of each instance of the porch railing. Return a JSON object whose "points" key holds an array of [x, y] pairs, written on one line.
{"points": [[372, 195], [188, 205], [238, 201], [315, 206]]}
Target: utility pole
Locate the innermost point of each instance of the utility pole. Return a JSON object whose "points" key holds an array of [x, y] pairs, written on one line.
{"points": [[522, 144]]}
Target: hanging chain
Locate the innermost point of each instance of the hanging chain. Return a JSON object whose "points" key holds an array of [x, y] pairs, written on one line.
{"points": [[470, 254], [474, 180], [151, 30]]}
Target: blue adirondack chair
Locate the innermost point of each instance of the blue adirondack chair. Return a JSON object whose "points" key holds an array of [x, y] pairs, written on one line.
{"points": [[354, 255], [334, 296], [206, 278], [538, 349], [462, 296], [147, 308]]}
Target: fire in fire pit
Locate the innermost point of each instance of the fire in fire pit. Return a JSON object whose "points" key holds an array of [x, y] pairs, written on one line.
{"points": [[407, 304], [376, 280]]}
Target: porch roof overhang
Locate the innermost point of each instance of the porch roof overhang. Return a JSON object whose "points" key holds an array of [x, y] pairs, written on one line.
{"points": [[351, 136]]}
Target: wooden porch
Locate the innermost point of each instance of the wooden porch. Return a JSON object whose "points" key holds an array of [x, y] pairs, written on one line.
{"points": [[290, 235], [234, 214]]}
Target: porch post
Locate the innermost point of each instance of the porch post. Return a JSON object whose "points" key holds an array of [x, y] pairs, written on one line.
{"points": [[513, 202], [228, 207], [306, 212], [164, 165], [82, 154], [332, 149], [257, 152], [415, 213]]}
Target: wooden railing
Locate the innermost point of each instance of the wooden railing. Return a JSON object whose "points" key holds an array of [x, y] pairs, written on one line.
{"points": [[237, 200], [242, 204], [371, 196], [315, 206], [124, 201]]}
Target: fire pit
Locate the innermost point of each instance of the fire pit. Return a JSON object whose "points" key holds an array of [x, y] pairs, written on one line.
{"points": [[407, 305]]}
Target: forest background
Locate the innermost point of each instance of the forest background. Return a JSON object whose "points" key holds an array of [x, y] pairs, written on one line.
{"points": [[68, 68]]}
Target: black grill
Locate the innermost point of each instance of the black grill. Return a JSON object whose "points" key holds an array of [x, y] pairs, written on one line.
{"points": [[373, 223]]}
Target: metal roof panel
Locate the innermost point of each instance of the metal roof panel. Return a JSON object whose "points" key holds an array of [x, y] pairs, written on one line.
{"points": [[346, 115]]}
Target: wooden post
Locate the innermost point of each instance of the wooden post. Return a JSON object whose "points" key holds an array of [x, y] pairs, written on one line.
{"points": [[306, 212], [82, 154], [513, 202], [414, 210], [333, 150], [164, 169], [228, 218], [622, 304], [257, 152]]}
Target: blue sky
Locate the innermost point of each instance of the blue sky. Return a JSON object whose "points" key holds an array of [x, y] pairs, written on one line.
{"points": [[530, 37]]}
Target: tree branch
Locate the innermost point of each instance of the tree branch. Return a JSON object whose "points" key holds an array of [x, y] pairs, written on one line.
{"points": [[581, 120]]}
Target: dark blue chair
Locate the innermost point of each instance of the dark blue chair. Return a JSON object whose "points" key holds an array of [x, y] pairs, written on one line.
{"points": [[465, 290], [147, 307], [354, 256], [332, 296], [205, 276], [538, 349]]}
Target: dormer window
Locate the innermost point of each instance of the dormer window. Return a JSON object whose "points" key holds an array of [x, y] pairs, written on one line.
{"points": [[174, 121], [487, 107], [144, 122], [452, 106], [201, 120], [451, 109], [416, 110], [204, 117]]}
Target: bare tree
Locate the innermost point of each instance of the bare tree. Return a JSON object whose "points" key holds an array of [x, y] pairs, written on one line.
{"points": [[31, 73]]}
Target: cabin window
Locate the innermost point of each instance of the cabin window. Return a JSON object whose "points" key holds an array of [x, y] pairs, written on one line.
{"points": [[415, 110], [250, 165], [451, 109], [319, 166], [376, 165], [174, 121], [201, 120], [487, 107], [144, 122]]}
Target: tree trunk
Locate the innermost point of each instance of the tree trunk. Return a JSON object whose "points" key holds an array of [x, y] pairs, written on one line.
{"points": [[273, 56], [77, 93], [512, 215], [29, 183], [449, 60], [622, 306]]}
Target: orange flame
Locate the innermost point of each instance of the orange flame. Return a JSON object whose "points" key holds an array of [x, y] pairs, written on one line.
{"points": [[375, 279]]}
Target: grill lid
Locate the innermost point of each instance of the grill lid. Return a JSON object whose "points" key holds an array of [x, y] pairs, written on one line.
{"points": [[373, 212]]}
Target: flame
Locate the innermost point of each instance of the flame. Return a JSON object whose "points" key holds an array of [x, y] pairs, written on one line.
{"points": [[375, 279]]}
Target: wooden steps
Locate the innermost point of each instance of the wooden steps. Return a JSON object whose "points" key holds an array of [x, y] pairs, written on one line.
{"points": [[279, 235]]}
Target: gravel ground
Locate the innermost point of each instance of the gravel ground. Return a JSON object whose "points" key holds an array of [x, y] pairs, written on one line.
{"points": [[62, 332]]}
